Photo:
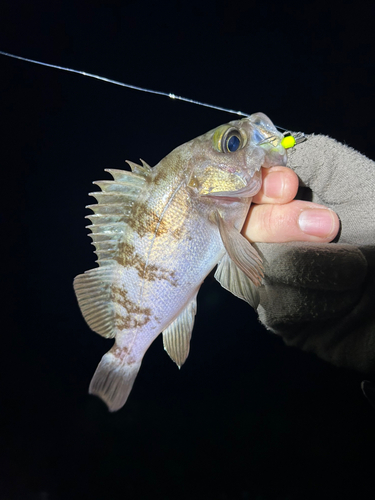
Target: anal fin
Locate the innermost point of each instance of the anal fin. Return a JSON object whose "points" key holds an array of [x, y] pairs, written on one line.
{"points": [[176, 338]]}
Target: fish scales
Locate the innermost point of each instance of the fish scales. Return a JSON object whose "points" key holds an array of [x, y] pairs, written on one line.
{"points": [[158, 232]]}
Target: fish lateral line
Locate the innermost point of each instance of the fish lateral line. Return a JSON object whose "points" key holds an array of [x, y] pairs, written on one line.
{"points": [[290, 138]]}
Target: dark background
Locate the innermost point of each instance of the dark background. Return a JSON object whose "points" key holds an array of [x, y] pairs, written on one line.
{"points": [[246, 417]]}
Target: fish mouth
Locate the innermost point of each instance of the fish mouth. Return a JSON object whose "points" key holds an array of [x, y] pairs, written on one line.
{"points": [[248, 191], [223, 199]]}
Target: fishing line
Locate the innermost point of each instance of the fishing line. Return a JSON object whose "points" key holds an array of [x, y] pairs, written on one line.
{"points": [[127, 85], [292, 137]]}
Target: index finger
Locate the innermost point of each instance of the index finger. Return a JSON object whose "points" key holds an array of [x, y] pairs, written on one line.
{"points": [[279, 185]]}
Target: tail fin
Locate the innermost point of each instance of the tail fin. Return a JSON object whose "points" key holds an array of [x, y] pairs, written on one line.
{"points": [[113, 380]]}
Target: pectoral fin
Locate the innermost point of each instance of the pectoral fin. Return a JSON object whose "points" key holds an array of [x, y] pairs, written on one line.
{"points": [[235, 281], [240, 251], [176, 338]]}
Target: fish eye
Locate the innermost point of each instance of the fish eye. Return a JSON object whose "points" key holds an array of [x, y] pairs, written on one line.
{"points": [[228, 139], [231, 141]]}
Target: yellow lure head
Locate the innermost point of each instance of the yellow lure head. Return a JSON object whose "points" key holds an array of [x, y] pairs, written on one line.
{"points": [[288, 142]]}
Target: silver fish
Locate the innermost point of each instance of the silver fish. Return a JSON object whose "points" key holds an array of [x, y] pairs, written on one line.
{"points": [[158, 232]]}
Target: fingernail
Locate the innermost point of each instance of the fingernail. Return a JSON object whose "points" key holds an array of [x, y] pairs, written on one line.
{"points": [[317, 222], [274, 185]]}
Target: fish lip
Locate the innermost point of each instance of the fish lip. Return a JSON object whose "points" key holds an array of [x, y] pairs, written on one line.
{"points": [[247, 191], [224, 198]]}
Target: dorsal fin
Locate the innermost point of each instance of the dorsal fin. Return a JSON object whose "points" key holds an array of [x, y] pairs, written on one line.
{"points": [[115, 202], [138, 169], [94, 294]]}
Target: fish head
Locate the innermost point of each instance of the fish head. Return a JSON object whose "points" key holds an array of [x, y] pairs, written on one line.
{"points": [[226, 162]]}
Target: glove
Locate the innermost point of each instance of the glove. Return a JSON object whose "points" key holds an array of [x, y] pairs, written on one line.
{"points": [[320, 296]]}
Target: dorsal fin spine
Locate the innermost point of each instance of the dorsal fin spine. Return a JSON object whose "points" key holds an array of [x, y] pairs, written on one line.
{"points": [[110, 215]]}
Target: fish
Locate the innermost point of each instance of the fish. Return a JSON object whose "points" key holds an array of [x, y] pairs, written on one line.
{"points": [[158, 232]]}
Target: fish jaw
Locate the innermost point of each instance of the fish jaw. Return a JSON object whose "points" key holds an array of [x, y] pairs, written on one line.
{"points": [[248, 191], [221, 172]]}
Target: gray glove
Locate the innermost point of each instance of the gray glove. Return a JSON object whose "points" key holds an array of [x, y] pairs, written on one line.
{"points": [[320, 297]]}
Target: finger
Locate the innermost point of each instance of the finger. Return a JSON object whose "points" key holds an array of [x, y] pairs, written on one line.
{"points": [[294, 221], [279, 185]]}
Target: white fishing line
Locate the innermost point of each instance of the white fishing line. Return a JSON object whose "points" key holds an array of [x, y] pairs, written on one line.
{"points": [[129, 86]]}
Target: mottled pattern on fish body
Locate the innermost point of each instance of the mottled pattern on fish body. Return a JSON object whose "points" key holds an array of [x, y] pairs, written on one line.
{"points": [[158, 232]]}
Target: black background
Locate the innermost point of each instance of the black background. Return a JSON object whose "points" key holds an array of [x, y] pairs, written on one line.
{"points": [[246, 417]]}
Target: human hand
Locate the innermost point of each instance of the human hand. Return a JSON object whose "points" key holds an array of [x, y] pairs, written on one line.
{"points": [[275, 217], [319, 296]]}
